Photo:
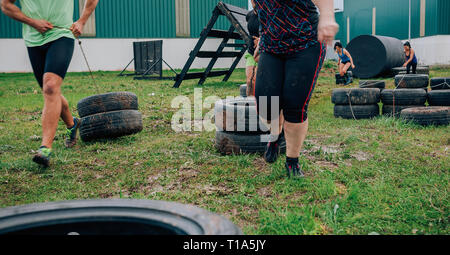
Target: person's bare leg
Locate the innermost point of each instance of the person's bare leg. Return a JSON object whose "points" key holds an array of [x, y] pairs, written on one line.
{"points": [[251, 80], [295, 137], [66, 115], [345, 68], [52, 108], [341, 69]]}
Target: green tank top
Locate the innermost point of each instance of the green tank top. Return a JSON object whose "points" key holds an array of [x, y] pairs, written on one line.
{"points": [[57, 12]]}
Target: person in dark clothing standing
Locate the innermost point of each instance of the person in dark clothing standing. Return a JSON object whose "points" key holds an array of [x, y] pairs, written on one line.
{"points": [[411, 59], [293, 47]]}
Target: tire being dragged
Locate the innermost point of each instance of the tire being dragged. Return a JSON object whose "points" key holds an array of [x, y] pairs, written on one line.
{"points": [[110, 125], [108, 102]]}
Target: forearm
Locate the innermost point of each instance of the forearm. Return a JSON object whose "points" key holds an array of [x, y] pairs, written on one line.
{"points": [[326, 8], [89, 8], [14, 12]]}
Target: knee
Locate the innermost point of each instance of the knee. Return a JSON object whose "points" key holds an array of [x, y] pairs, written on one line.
{"points": [[342, 72], [51, 87]]}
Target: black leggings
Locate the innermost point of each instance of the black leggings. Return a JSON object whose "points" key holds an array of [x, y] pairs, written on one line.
{"points": [[53, 57], [290, 78], [414, 68]]}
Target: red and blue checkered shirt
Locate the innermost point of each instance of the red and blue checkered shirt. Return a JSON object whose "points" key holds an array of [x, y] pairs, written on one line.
{"points": [[287, 26]]}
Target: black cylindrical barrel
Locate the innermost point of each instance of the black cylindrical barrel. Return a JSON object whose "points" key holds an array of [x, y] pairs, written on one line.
{"points": [[375, 55]]}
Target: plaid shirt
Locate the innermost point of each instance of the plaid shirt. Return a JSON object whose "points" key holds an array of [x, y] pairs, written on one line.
{"points": [[287, 26]]}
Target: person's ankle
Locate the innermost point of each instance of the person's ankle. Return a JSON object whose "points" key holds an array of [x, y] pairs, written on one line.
{"points": [[291, 161]]}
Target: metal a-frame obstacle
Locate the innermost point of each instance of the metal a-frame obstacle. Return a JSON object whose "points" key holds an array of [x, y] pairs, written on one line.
{"points": [[238, 31]]}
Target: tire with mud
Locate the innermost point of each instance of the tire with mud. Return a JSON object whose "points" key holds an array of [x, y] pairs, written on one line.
{"points": [[238, 115], [411, 81], [367, 84], [419, 70], [110, 125], [440, 83], [108, 102], [355, 96], [356, 111], [427, 116], [113, 217], [439, 97], [394, 111], [241, 143], [404, 97]]}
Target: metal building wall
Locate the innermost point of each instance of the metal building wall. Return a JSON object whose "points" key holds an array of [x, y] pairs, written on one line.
{"points": [[392, 18], [10, 28], [201, 12], [444, 17]]}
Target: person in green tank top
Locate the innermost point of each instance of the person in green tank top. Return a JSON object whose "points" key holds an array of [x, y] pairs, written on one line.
{"points": [[49, 33]]}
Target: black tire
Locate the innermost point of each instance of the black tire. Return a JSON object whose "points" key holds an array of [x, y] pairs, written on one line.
{"points": [[355, 96], [359, 111], [419, 70], [426, 116], [394, 111], [108, 102], [243, 90], [240, 143], [238, 115], [411, 81], [110, 125], [404, 97], [113, 217], [440, 83], [367, 84], [439, 97]]}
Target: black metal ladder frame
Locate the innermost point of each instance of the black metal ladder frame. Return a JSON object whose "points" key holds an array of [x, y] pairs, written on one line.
{"points": [[228, 11]]}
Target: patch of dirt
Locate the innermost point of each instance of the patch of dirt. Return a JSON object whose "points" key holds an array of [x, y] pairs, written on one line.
{"points": [[265, 191], [327, 164], [341, 188], [209, 189], [361, 156]]}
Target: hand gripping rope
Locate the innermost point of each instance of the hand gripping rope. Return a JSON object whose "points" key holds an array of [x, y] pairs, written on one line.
{"points": [[85, 58]]}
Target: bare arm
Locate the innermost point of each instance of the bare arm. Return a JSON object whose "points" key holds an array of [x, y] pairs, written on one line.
{"points": [[89, 7], [14, 12], [328, 27]]}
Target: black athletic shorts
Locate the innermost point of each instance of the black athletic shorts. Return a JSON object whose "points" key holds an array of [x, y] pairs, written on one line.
{"points": [[53, 57], [291, 79]]}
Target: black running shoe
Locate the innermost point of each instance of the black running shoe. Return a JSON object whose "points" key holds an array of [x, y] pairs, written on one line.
{"points": [[42, 157], [273, 150], [294, 170]]}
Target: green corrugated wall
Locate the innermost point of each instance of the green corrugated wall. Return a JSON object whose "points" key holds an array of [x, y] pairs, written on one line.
{"points": [[137, 18], [156, 18], [392, 18]]}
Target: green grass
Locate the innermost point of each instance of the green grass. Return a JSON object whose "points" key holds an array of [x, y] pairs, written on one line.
{"points": [[380, 175]]}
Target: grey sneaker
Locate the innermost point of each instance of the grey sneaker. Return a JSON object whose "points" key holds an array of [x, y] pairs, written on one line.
{"points": [[71, 134]]}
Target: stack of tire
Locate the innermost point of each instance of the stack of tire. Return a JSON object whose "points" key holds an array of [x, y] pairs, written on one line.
{"points": [[438, 113], [440, 92], [239, 129], [109, 115], [410, 92], [356, 103]]}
